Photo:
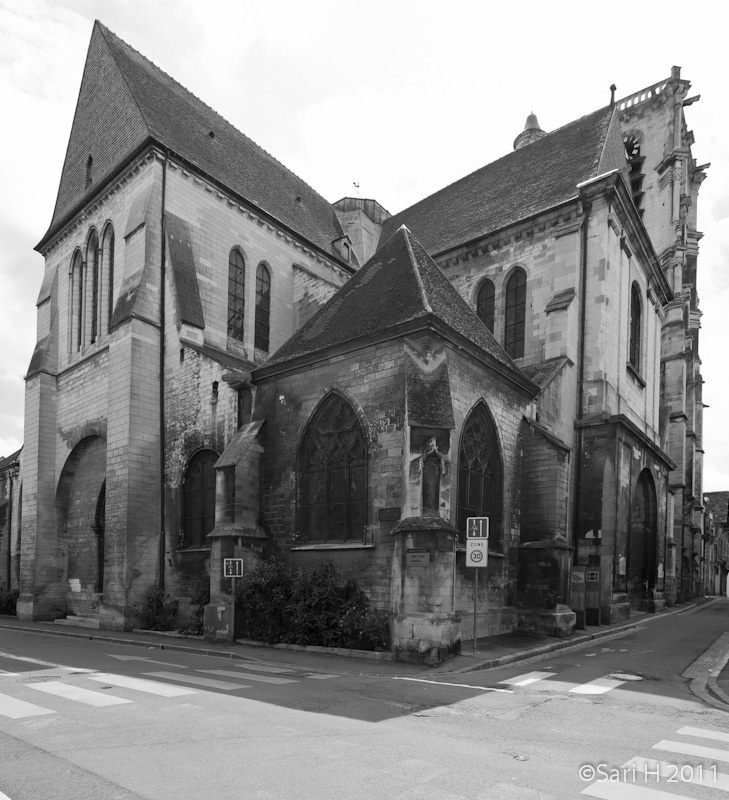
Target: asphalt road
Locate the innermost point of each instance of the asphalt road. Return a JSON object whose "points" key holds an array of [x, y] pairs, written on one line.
{"points": [[82, 719]]}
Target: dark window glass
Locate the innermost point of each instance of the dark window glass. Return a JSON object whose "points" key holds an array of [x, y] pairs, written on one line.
{"points": [[92, 285], [480, 474], [485, 304], [515, 314], [110, 262], [635, 325], [263, 308], [236, 295], [334, 474], [76, 296], [198, 492]]}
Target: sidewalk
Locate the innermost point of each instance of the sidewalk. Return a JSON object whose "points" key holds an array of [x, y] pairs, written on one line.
{"points": [[490, 651]]}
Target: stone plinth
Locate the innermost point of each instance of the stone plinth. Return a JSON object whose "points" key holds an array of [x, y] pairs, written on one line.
{"points": [[425, 628]]}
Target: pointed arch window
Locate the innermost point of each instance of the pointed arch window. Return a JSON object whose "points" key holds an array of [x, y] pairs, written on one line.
{"points": [[198, 496], [636, 313], [480, 474], [236, 295], [263, 308], [515, 314], [75, 296], [485, 304], [108, 274], [333, 469], [91, 301]]}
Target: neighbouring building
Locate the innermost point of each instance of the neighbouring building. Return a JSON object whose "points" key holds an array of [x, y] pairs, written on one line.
{"points": [[227, 364], [715, 553]]}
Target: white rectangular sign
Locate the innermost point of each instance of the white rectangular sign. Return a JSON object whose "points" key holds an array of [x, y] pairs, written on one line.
{"points": [[477, 541]]}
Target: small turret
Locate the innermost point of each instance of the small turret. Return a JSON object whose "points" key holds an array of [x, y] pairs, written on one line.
{"points": [[530, 134]]}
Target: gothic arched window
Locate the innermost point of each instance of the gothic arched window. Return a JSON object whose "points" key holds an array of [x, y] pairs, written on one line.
{"points": [[263, 308], [515, 314], [75, 297], [635, 327], [91, 301], [480, 473], [485, 304], [333, 465], [107, 249], [236, 294], [198, 497]]}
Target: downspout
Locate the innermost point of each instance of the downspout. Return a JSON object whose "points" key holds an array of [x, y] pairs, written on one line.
{"points": [[586, 206], [162, 442], [10, 530]]}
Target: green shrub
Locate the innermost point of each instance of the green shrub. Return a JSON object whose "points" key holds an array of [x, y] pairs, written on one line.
{"points": [[8, 601], [158, 611], [278, 604]]}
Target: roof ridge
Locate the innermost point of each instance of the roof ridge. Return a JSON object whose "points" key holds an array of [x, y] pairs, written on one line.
{"points": [[202, 103], [418, 277], [497, 160]]}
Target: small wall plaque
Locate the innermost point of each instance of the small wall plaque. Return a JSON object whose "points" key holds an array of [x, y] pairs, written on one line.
{"points": [[417, 557], [389, 514]]}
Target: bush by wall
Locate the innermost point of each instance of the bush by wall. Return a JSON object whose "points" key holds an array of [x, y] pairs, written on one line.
{"points": [[8, 601], [280, 604], [158, 612]]}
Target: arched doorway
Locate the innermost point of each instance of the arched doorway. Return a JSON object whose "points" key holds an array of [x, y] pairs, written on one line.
{"points": [[81, 520], [642, 542]]}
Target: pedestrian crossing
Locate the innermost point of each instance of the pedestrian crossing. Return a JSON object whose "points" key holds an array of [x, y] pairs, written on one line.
{"points": [[691, 766], [597, 686], [101, 690]]}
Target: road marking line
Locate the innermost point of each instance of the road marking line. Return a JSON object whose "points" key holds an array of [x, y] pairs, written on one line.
{"points": [[31, 660], [78, 694], [705, 734], [226, 686], [459, 685], [263, 668], [148, 660], [4, 796], [6, 674], [322, 677], [246, 675], [709, 753], [598, 686], [649, 768], [141, 685], [527, 678], [606, 790], [17, 709]]}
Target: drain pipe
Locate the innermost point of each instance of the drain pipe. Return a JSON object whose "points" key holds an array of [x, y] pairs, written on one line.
{"points": [[586, 206], [10, 529], [162, 441]]}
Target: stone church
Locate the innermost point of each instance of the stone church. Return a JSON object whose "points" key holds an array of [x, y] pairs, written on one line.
{"points": [[229, 365]]}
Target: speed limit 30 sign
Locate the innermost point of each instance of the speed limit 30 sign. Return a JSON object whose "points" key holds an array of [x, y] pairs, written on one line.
{"points": [[477, 540]]}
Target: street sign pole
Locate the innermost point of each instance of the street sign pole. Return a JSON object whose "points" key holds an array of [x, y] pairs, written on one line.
{"points": [[232, 568], [477, 556], [232, 609]]}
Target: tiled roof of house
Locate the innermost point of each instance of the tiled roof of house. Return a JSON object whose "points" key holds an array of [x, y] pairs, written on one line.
{"points": [[10, 460], [718, 505], [399, 284], [523, 183], [125, 100]]}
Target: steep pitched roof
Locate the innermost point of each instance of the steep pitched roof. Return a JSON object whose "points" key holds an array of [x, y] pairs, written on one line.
{"points": [[399, 284], [718, 505], [525, 182], [125, 101]]}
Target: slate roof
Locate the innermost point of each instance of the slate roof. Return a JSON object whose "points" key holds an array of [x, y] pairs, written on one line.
{"points": [[543, 372], [399, 284], [10, 460], [125, 100], [718, 505], [523, 183]]}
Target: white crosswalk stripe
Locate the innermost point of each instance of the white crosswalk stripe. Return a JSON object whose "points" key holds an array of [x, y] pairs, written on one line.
{"points": [[17, 709], [527, 678], [71, 692], [141, 685], [639, 775], [209, 683], [247, 676], [598, 686]]}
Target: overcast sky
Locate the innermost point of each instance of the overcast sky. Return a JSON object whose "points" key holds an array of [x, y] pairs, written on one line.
{"points": [[399, 97]]}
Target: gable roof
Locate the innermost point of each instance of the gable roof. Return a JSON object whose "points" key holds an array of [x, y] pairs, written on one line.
{"points": [[401, 283], [125, 101], [718, 505], [533, 179]]}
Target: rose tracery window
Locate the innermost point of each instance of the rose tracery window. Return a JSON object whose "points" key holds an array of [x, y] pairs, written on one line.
{"points": [[333, 463], [480, 474]]}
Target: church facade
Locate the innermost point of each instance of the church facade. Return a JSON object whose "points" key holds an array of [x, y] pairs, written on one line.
{"points": [[229, 365]]}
